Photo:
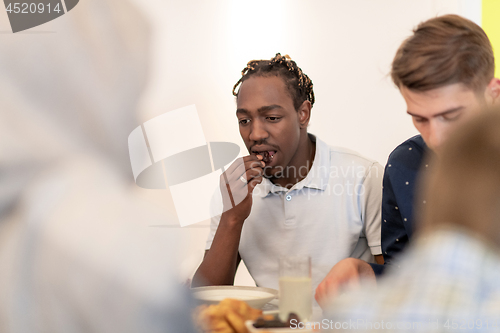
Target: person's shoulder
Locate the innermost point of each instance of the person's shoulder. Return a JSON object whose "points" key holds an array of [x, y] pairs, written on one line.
{"points": [[414, 147], [407, 157], [346, 155]]}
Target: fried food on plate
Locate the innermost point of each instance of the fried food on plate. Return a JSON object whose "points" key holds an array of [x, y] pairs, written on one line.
{"points": [[228, 316]]}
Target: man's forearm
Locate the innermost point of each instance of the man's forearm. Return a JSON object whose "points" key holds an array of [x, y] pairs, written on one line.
{"points": [[220, 262]]}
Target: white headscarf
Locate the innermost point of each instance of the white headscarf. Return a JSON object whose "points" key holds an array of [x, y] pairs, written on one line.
{"points": [[76, 254], [73, 88]]}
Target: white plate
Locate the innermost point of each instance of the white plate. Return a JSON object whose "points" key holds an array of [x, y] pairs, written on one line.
{"points": [[256, 297]]}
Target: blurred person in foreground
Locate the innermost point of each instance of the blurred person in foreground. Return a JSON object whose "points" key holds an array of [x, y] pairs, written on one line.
{"points": [[76, 253], [449, 274], [445, 73]]}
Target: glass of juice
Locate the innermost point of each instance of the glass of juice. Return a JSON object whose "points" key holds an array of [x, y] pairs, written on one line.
{"points": [[295, 294]]}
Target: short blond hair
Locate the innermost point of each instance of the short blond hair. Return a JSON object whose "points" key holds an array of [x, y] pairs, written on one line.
{"points": [[444, 50]]}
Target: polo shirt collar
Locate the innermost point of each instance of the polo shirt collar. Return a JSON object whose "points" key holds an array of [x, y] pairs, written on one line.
{"points": [[317, 177]]}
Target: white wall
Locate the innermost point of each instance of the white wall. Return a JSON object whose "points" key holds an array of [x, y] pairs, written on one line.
{"points": [[345, 47]]}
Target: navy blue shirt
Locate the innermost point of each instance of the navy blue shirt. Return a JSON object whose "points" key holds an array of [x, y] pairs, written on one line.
{"points": [[400, 177]]}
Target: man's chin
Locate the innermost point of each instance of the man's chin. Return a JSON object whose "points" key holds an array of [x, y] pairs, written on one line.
{"points": [[273, 172]]}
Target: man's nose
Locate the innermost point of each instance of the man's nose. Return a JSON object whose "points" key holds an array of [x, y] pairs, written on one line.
{"points": [[258, 131], [437, 135]]}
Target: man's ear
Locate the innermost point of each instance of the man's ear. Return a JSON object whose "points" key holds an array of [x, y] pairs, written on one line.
{"points": [[492, 93], [304, 114]]}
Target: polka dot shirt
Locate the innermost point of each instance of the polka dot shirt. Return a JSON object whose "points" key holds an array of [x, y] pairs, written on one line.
{"points": [[400, 177]]}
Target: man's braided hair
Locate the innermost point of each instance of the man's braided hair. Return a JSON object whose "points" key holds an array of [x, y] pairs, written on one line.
{"points": [[297, 82]]}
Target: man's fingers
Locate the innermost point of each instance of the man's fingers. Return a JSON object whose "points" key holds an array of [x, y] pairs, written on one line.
{"points": [[237, 163], [229, 195], [250, 165], [244, 174], [236, 184], [240, 179], [242, 193], [322, 295], [319, 293], [254, 182], [252, 173], [343, 276], [239, 167], [241, 188], [326, 292]]}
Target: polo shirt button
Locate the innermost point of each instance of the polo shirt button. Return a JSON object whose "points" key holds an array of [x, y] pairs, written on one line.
{"points": [[288, 197]]}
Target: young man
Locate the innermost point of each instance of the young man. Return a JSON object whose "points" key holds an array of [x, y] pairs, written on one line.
{"points": [[298, 195], [448, 280], [445, 72]]}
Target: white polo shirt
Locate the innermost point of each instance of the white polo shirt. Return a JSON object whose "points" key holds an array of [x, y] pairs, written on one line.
{"points": [[332, 214]]}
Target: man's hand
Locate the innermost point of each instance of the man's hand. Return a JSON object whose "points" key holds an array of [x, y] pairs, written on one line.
{"points": [[237, 184], [346, 274]]}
